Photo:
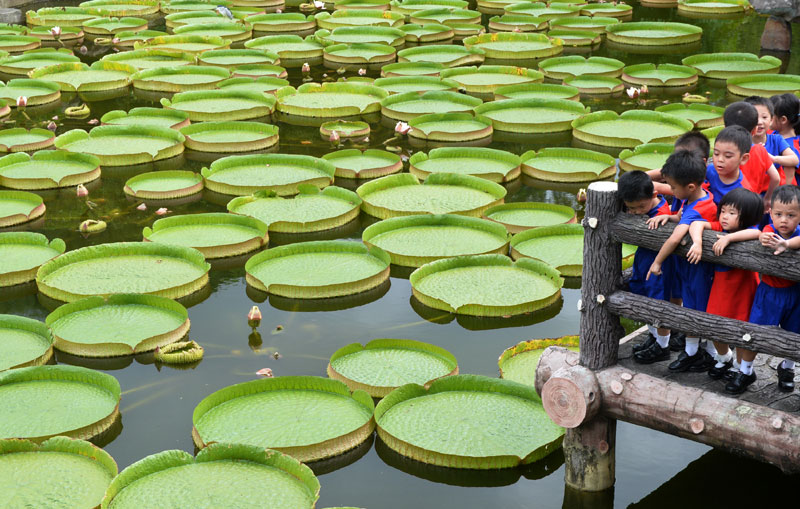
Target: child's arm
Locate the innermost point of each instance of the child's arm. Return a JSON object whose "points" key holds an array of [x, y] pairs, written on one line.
{"points": [[668, 248], [787, 158], [696, 233], [740, 236], [662, 188], [788, 171], [779, 244], [655, 175], [654, 222], [774, 180]]}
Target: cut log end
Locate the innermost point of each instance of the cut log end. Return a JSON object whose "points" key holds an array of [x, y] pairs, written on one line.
{"points": [[697, 425], [563, 402]]}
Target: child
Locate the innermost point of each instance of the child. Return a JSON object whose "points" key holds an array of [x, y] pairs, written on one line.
{"points": [[740, 210], [693, 140], [637, 193], [685, 173], [786, 122], [731, 151]]}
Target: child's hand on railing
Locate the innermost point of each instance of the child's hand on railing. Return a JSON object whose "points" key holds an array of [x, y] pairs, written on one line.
{"points": [[774, 241], [695, 253], [720, 245], [655, 222], [655, 269]]}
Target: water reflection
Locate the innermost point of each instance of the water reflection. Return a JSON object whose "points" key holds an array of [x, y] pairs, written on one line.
{"points": [[334, 463], [478, 323], [329, 304]]}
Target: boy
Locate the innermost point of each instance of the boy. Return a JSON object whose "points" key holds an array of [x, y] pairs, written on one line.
{"points": [[693, 141], [731, 151], [685, 173], [637, 193], [778, 148]]}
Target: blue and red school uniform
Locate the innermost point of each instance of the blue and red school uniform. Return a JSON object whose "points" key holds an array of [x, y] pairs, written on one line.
{"points": [[733, 289], [756, 167], [696, 279], [777, 300], [776, 145], [657, 287], [718, 188], [794, 144]]}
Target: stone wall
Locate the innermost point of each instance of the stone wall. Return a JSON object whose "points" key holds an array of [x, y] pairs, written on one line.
{"points": [[786, 9]]}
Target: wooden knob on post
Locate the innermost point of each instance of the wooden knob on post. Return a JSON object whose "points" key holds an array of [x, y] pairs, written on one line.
{"points": [[572, 396]]}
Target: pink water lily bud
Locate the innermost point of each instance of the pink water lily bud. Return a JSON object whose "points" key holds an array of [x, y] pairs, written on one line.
{"points": [[83, 50], [581, 196], [52, 126], [56, 31], [115, 40], [319, 4], [644, 90], [94, 121], [162, 211], [22, 101], [334, 136], [516, 29], [633, 92], [402, 127], [362, 72], [254, 317], [278, 11], [264, 372], [81, 191], [141, 206], [306, 67], [55, 117]]}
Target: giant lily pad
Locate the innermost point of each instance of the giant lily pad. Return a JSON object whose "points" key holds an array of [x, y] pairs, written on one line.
{"points": [[150, 58], [121, 7], [764, 85], [22, 255], [568, 164], [649, 33], [494, 6], [19, 139], [450, 127], [44, 401], [382, 365], [259, 70], [164, 185], [619, 10], [345, 129], [532, 115], [303, 416], [124, 267], [111, 26], [711, 8], [37, 91], [19, 43], [128, 39], [17, 207], [21, 65], [646, 157], [629, 129], [597, 24], [124, 324], [517, 23], [419, 68], [216, 235], [427, 33], [283, 22], [394, 37], [559, 246], [60, 16], [448, 55], [380, 5], [241, 475], [540, 10], [410, 6], [664, 75], [702, 116], [518, 363], [331, 99], [468, 421], [411, 104], [441, 193], [69, 36], [78, 77], [230, 136], [180, 79], [520, 216], [184, 44], [47, 169], [575, 38], [72, 472], [264, 84], [727, 65], [228, 30], [445, 16], [282, 173], [413, 241], [23, 341], [371, 163], [537, 91], [560, 68], [358, 17], [233, 59], [191, 5], [288, 47], [179, 19], [221, 105], [486, 78], [492, 164], [310, 211], [402, 84], [158, 117], [596, 85], [118, 145], [359, 53]]}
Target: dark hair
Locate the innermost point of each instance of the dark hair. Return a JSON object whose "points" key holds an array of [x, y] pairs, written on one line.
{"points": [[741, 113], [749, 204], [788, 105], [684, 167], [694, 140], [761, 101], [737, 135], [786, 194], [634, 186]]}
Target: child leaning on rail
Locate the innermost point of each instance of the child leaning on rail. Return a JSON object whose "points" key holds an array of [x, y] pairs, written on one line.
{"points": [[636, 191], [685, 173], [740, 210]]}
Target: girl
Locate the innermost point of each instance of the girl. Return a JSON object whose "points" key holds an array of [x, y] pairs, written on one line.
{"points": [[777, 148], [740, 210], [786, 123]]}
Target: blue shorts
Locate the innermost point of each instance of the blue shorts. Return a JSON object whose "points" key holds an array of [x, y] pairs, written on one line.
{"points": [[657, 287], [696, 280], [777, 306], [674, 289]]}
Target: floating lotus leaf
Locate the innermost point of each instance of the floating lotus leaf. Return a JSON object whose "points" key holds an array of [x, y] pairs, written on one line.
{"points": [[516, 22], [23, 341], [47, 169], [118, 145], [576, 38], [182, 352], [441, 193], [9, 29], [413, 241], [125, 324], [284, 22], [646, 157], [44, 401], [427, 33], [191, 5], [532, 115], [359, 53], [412, 69], [492, 164], [310, 211], [382, 365], [380, 5], [164, 185], [21, 65], [409, 105], [765, 85], [129, 39], [19, 43], [305, 417], [230, 136], [358, 17], [235, 58], [288, 47], [259, 70], [37, 91], [540, 10], [568, 165], [22, 254], [241, 475], [79, 77], [371, 163], [216, 235], [486, 78], [228, 30], [179, 19], [403, 84], [448, 55], [494, 6], [728, 65], [121, 7], [560, 68], [185, 44], [620, 10], [124, 267], [648, 33], [72, 472], [451, 127], [445, 16], [264, 84], [629, 129], [466, 421], [664, 75], [410, 6], [597, 24], [150, 58], [69, 36], [19, 139], [158, 117], [595, 85], [221, 105], [111, 26], [394, 37], [331, 99], [17, 207], [282, 173], [345, 129], [702, 116], [518, 363], [514, 46], [520, 216], [537, 91], [712, 8], [61, 16]]}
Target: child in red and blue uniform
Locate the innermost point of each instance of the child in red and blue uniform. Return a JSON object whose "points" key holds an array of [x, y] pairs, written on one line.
{"points": [[739, 214], [731, 151], [786, 123], [776, 146], [636, 191], [685, 173]]}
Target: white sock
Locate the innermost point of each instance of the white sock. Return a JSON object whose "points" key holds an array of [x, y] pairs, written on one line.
{"points": [[735, 365], [787, 364], [746, 367], [652, 330], [710, 348], [723, 359], [663, 341], [692, 345]]}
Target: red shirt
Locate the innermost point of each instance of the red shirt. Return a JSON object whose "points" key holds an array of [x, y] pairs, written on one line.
{"points": [[755, 169]]}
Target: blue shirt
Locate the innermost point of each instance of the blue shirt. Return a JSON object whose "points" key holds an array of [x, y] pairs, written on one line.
{"points": [[717, 187], [702, 209], [776, 144]]}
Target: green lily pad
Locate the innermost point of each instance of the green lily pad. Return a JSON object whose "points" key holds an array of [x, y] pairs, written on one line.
{"points": [[174, 6], [233, 59], [394, 37], [111, 26], [17, 207], [121, 7], [345, 128], [728, 65], [412, 104], [21, 65], [712, 7], [225, 137], [450, 127], [9, 29], [22, 255], [305, 417], [124, 267], [144, 116], [23, 341], [19, 139], [164, 185], [620, 10], [648, 33], [227, 30], [412, 69], [575, 38], [560, 68], [241, 475], [118, 145], [288, 47], [492, 164], [702, 116], [537, 91], [382, 365], [37, 91], [358, 17], [441, 193], [448, 55], [216, 235], [44, 401], [541, 10], [309, 211], [259, 70], [19, 43], [282, 173], [264, 84], [128, 39], [516, 22], [410, 6], [60, 16], [371, 163], [427, 33], [124, 324], [645, 157], [221, 105], [518, 363], [150, 58], [282, 22], [595, 85], [664, 75], [380, 5], [78, 77], [330, 99], [568, 165], [486, 78], [359, 53], [494, 6], [764, 85], [69, 36], [597, 24], [532, 115], [629, 129], [520, 216], [403, 84], [179, 19], [413, 241], [47, 169], [180, 79], [189, 45], [444, 16]]}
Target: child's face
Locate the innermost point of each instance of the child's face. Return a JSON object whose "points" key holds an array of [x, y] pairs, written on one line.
{"points": [[785, 217], [727, 158], [680, 192], [639, 207], [764, 120], [729, 218]]}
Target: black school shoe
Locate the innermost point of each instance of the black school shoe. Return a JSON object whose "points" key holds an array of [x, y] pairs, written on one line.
{"points": [[785, 379], [716, 373], [651, 354], [677, 341], [697, 363], [638, 347], [740, 382]]}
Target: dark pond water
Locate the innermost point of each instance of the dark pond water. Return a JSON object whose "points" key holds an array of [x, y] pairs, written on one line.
{"points": [[653, 469]]}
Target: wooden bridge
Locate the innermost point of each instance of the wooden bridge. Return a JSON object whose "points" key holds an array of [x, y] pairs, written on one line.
{"points": [[587, 392]]}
